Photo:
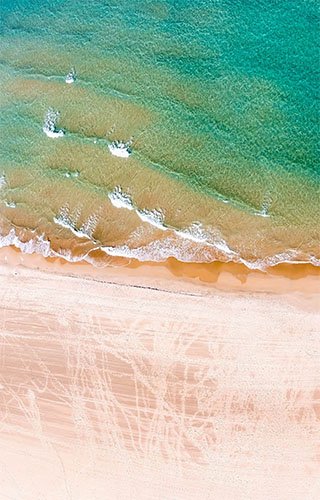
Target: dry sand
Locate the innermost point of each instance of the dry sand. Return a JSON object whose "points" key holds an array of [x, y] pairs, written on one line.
{"points": [[158, 382]]}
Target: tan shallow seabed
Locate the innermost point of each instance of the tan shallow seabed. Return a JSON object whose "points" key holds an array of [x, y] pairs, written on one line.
{"points": [[135, 383]]}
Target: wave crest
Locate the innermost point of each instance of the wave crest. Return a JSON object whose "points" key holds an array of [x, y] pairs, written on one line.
{"points": [[69, 220], [3, 181], [157, 251], [119, 199], [50, 121], [154, 217]]}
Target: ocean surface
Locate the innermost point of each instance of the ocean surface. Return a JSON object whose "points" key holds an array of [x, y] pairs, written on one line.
{"points": [[216, 105]]}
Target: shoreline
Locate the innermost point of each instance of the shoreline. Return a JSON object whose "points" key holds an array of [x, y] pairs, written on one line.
{"points": [[233, 277]]}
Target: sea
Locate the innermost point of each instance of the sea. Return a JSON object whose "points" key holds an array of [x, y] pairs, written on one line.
{"points": [[155, 129]]}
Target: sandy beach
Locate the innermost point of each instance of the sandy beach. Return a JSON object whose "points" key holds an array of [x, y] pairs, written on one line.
{"points": [[162, 382]]}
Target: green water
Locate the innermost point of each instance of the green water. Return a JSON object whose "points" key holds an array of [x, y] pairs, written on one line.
{"points": [[219, 99]]}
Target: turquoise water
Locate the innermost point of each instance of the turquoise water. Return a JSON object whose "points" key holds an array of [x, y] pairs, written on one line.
{"points": [[218, 100]]}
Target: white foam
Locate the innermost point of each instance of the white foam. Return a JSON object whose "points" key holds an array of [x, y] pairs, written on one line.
{"points": [[49, 126], [10, 204], [154, 217], [38, 245], [72, 174], [52, 133], [69, 220], [194, 233], [157, 251], [69, 79], [289, 257], [69, 225], [71, 76], [41, 246], [90, 225], [3, 181], [265, 205], [263, 214], [120, 149], [119, 199], [314, 261], [223, 247], [160, 250]]}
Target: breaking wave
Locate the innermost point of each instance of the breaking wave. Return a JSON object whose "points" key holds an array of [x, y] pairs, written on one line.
{"points": [[157, 251], [3, 181], [69, 220], [154, 217], [50, 121], [119, 199], [195, 243]]}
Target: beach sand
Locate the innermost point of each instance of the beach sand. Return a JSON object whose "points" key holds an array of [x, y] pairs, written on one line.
{"points": [[162, 382]]}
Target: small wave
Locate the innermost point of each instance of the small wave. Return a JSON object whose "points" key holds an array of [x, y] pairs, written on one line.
{"points": [[194, 232], [10, 204], [71, 76], [119, 199], [41, 246], [157, 251], [3, 181], [69, 221], [182, 249], [69, 225], [223, 247], [38, 245], [50, 121], [314, 261], [53, 134], [160, 250], [262, 214], [265, 206], [289, 257], [154, 217], [74, 174], [90, 225], [120, 149]]}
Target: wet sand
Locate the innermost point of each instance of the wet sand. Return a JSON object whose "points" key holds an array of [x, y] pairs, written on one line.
{"points": [[170, 382]]}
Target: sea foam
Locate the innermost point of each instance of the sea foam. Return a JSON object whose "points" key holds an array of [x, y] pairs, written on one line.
{"points": [[69, 220], [119, 199], [154, 217], [159, 251], [49, 127], [3, 181], [10, 204], [194, 232], [265, 205], [120, 149], [41, 246], [71, 76], [37, 245]]}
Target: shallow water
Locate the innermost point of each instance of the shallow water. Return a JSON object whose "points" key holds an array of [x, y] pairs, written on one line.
{"points": [[218, 101]]}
